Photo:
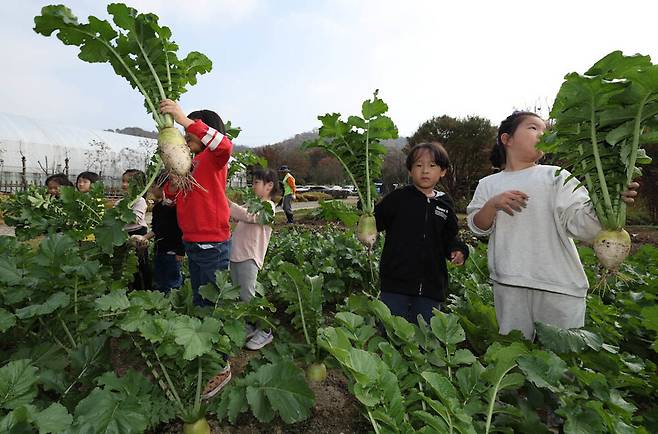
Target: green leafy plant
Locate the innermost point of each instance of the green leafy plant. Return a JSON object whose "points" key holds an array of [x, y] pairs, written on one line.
{"points": [[142, 52], [356, 145], [602, 118]]}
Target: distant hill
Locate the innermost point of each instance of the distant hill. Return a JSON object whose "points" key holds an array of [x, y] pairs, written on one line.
{"points": [[298, 139], [135, 131]]}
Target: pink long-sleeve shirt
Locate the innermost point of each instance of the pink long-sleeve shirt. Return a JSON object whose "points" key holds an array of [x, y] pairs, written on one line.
{"points": [[250, 239]]}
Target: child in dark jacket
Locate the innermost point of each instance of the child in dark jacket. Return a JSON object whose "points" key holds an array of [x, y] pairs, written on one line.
{"points": [[169, 250], [421, 234]]}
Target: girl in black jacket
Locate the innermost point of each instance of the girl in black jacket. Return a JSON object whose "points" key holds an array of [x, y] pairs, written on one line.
{"points": [[421, 234]]}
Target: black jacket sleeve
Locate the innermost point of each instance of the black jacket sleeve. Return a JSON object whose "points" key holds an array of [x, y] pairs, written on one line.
{"points": [[385, 211]]}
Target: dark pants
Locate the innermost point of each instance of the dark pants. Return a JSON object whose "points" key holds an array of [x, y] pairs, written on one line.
{"points": [[409, 306], [204, 260], [287, 207], [166, 272], [142, 280]]}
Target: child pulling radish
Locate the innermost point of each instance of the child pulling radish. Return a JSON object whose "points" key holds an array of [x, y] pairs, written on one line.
{"points": [[531, 217], [421, 234], [202, 208]]}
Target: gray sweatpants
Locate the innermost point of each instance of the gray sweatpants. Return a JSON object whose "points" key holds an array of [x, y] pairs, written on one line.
{"points": [[244, 274], [518, 308]]}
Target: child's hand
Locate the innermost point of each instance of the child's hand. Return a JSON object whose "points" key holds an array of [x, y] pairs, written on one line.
{"points": [[168, 106], [629, 195], [179, 258], [457, 257], [510, 201]]}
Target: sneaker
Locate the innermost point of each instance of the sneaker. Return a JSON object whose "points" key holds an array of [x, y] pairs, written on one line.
{"points": [[251, 330], [217, 383], [260, 339]]}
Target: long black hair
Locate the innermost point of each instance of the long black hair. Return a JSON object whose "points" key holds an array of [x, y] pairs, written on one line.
{"points": [[498, 156]]}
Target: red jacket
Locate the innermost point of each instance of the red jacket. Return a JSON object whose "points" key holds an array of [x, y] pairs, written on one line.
{"points": [[203, 215]]}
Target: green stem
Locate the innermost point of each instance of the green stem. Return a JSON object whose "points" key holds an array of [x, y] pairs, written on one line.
{"points": [[599, 170], [368, 206], [99, 218], [197, 397], [154, 112], [492, 401], [632, 158], [168, 119], [55, 338], [301, 312], [349, 173], [373, 422], [169, 382], [68, 333], [75, 304], [151, 180], [590, 187], [448, 360]]}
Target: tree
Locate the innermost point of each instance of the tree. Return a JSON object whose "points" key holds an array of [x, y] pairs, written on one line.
{"points": [[394, 170], [98, 157], [468, 142], [328, 171]]}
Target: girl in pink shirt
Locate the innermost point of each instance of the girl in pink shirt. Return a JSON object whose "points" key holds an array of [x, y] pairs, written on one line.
{"points": [[248, 247]]}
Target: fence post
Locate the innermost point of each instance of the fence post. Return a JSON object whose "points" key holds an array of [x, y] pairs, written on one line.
{"points": [[23, 173]]}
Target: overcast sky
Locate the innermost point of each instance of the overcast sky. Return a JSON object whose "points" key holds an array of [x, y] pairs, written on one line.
{"points": [[278, 64]]}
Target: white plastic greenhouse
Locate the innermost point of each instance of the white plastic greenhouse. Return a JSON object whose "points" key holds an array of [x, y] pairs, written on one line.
{"points": [[55, 148]]}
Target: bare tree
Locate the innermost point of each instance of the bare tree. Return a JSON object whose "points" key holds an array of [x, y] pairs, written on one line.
{"points": [[98, 157]]}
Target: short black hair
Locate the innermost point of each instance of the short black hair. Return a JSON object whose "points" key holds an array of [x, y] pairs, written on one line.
{"points": [[498, 155], [91, 176], [436, 150], [267, 175], [59, 178], [209, 118]]}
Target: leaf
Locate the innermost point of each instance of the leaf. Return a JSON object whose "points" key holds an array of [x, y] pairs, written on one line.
{"points": [[54, 419], [194, 336], [442, 387], [9, 274], [114, 301], [54, 302], [349, 320], [567, 340], [284, 387], [108, 412], [544, 369], [447, 329], [17, 384], [7, 320]]}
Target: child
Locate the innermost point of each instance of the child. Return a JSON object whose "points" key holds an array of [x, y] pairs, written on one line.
{"points": [[421, 233], [203, 213], [138, 227], [248, 248], [536, 271], [84, 180], [169, 250], [53, 182]]}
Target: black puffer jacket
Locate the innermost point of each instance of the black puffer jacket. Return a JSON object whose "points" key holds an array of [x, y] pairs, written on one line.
{"points": [[421, 233]]}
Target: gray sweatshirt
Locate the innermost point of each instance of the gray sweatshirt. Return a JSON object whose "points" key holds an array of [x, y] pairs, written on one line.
{"points": [[534, 248]]}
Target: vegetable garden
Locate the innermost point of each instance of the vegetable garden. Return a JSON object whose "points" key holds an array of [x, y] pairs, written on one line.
{"points": [[80, 353]]}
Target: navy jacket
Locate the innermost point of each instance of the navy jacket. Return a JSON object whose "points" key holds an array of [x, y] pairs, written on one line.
{"points": [[421, 233]]}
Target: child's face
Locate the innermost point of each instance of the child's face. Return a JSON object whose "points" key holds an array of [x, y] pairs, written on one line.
{"points": [[53, 188], [156, 192], [425, 173], [262, 189], [521, 145], [84, 185], [125, 181], [193, 142]]}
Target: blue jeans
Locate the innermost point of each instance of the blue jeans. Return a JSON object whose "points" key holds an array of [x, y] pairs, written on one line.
{"points": [[409, 306], [166, 272], [204, 260]]}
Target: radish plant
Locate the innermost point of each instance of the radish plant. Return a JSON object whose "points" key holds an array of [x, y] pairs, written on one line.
{"points": [[602, 118], [142, 52], [356, 145]]}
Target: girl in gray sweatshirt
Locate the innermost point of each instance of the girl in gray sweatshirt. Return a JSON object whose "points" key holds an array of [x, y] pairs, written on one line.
{"points": [[532, 217]]}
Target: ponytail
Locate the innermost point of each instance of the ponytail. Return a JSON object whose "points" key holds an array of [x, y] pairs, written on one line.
{"points": [[498, 155]]}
